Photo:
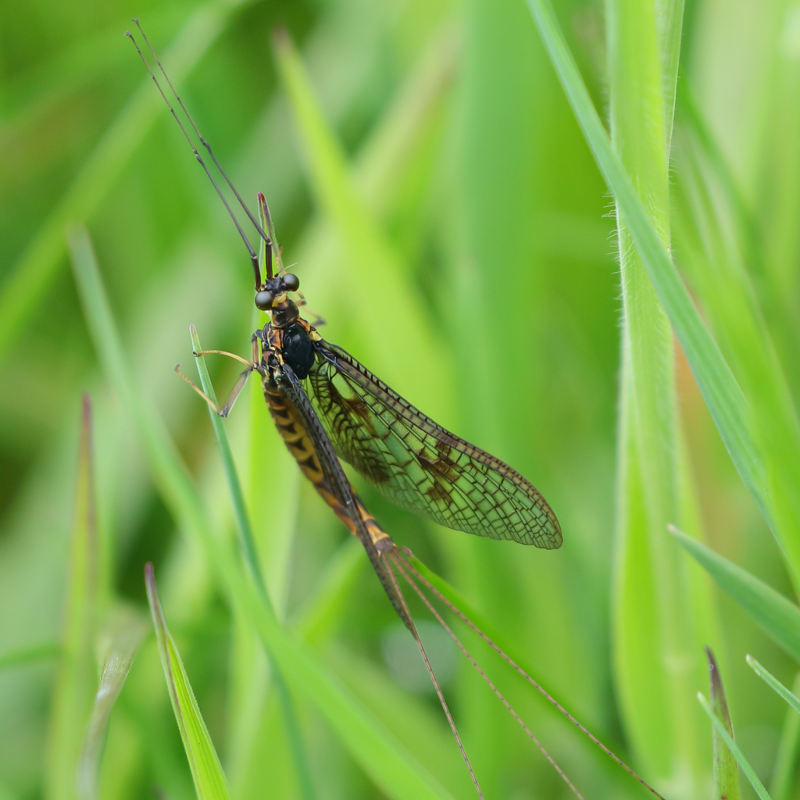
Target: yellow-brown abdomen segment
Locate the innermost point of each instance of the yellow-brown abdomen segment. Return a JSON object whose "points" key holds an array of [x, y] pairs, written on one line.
{"points": [[290, 425], [292, 431]]}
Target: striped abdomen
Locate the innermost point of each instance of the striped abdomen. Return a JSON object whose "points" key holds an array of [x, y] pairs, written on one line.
{"points": [[290, 426]]}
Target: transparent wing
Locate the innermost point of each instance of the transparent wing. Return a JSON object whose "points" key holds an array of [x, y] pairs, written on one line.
{"points": [[418, 464]]}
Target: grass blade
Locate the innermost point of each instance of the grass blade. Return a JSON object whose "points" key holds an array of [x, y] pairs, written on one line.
{"points": [[726, 773], [242, 518], [778, 617], [124, 643], [786, 755], [773, 683], [207, 774], [653, 620], [720, 390], [250, 553], [73, 686], [744, 764]]}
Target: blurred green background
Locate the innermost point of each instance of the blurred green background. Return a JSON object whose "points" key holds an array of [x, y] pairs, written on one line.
{"points": [[459, 240]]}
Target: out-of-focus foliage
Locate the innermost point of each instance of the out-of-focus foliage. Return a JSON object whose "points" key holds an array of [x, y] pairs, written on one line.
{"points": [[458, 241]]}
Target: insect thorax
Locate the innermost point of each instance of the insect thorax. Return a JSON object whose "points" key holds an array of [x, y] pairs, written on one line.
{"points": [[298, 349]]}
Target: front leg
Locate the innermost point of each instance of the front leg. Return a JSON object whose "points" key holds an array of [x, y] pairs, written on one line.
{"points": [[251, 365]]}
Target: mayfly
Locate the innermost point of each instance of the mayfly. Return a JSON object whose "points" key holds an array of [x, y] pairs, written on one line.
{"points": [[327, 406]]}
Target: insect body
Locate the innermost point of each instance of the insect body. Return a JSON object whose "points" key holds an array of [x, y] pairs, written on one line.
{"points": [[326, 406]]}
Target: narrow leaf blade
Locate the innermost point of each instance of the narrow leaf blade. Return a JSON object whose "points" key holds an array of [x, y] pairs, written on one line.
{"points": [[774, 613], [209, 779], [726, 772], [722, 732]]}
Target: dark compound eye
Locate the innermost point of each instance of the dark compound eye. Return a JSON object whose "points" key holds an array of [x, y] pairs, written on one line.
{"points": [[291, 282], [264, 300]]}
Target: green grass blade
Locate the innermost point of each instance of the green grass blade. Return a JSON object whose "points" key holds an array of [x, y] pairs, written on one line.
{"points": [[721, 392], [786, 755], [248, 543], [744, 218], [170, 475], [654, 624], [773, 683], [382, 757], [726, 773], [123, 644], [207, 774], [73, 685], [776, 615], [718, 244], [744, 764], [670, 23], [250, 553]]}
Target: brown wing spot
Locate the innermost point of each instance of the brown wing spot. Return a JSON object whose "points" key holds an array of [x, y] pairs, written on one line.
{"points": [[350, 406], [334, 394], [375, 470], [358, 407], [442, 467], [438, 493]]}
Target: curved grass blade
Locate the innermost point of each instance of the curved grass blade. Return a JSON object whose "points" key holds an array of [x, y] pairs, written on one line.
{"points": [[250, 553], [786, 754], [207, 774], [654, 625], [125, 640], [782, 691], [171, 477], [726, 773], [783, 770], [721, 392], [779, 617], [237, 495], [744, 764], [74, 682]]}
